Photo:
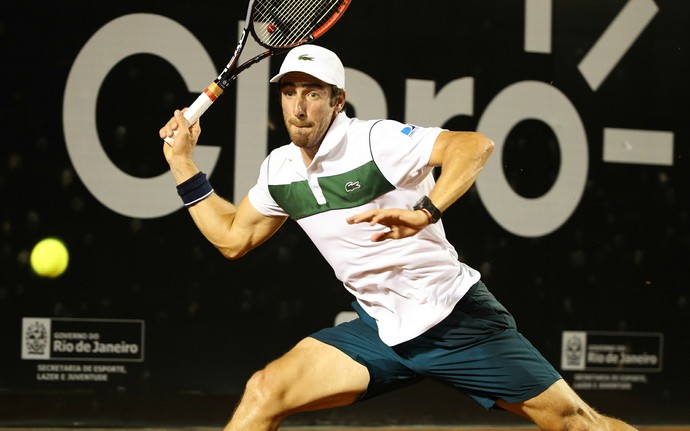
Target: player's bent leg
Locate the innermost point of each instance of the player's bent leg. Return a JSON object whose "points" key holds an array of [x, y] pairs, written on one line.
{"points": [[559, 408], [311, 376]]}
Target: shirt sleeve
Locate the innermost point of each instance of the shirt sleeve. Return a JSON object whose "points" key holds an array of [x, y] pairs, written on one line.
{"points": [[260, 197], [402, 151]]}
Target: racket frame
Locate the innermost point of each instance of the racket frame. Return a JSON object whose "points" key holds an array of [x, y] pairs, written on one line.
{"points": [[232, 70]]}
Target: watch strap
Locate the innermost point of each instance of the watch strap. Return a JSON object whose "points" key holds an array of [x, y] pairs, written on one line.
{"points": [[429, 208]]}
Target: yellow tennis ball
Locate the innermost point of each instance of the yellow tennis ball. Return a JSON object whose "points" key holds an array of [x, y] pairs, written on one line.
{"points": [[49, 258]]}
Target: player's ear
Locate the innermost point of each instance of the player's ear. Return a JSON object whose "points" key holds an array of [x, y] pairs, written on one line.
{"points": [[340, 100]]}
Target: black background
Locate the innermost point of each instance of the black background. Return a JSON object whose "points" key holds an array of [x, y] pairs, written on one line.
{"points": [[620, 262]]}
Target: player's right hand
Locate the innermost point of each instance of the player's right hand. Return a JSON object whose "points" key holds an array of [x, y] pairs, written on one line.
{"points": [[183, 136]]}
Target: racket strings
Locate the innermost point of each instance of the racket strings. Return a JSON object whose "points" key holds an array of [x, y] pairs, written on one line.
{"points": [[284, 23], [287, 22]]}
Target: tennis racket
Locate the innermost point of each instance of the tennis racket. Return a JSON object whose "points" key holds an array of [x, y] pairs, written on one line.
{"points": [[277, 25]]}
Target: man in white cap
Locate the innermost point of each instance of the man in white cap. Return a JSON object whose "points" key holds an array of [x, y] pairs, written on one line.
{"points": [[363, 192]]}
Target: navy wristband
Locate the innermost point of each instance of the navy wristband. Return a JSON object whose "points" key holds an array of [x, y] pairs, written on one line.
{"points": [[195, 189]]}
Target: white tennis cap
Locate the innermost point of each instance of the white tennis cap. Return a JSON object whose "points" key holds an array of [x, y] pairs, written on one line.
{"points": [[317, 61]]}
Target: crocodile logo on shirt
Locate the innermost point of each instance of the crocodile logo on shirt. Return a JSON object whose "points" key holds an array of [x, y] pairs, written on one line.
{"points": [[351, 186]]}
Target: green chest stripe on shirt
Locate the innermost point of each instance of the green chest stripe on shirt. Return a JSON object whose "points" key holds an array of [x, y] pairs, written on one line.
{"points": [[346, 190]]}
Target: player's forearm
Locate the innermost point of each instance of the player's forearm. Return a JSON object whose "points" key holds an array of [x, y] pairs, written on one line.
{"points": [[463, 160], [214, 217]]}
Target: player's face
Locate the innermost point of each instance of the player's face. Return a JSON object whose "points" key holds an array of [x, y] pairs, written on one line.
{"points": [[308, 109]]}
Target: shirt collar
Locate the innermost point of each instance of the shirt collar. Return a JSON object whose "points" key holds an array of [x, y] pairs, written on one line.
{"points": [[334, 135]]}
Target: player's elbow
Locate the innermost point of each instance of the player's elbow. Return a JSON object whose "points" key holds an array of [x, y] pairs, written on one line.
{"points": [[475, 148], [230, 252], [484, 146]]}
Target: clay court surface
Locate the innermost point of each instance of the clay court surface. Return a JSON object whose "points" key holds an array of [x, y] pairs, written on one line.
{"points": [[343, 428], [458, 428]]}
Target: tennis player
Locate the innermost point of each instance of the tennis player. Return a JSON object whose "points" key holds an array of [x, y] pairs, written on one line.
{"points": [[364, 193]]}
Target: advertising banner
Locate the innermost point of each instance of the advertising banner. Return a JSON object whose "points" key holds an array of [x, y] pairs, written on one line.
{"points": [[579, 223]]}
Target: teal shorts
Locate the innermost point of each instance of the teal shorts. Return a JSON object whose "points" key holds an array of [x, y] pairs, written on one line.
{"points": [[476, 349]]}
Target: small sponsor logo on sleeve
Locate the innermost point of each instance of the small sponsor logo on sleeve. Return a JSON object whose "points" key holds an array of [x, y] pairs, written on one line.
{"points": [[409, 129]]}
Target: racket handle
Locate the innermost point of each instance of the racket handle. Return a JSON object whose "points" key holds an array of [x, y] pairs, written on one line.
{"points": [[200, 105]]}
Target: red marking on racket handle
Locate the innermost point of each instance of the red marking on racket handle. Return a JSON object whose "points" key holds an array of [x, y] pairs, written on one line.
{"points": [[213, 91]]}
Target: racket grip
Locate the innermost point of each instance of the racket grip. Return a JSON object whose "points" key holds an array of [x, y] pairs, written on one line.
{"points": [[200, 105]]}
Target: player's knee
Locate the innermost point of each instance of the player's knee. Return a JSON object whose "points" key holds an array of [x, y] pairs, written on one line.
{"points": [[576, 422], [567, 419], [264, 393], [583, 420]]}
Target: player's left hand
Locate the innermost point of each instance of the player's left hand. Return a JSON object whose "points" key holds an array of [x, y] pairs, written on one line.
{"points": [[401, 223]]}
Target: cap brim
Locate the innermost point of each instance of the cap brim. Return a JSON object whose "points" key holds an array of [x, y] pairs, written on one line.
{"points": [[277, 77]]}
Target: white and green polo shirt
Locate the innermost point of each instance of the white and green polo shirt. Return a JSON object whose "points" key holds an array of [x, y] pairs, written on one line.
{"points": [[407, 285]]}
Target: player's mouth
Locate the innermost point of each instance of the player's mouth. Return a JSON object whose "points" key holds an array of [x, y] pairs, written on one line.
{"points": [[300, 125]]}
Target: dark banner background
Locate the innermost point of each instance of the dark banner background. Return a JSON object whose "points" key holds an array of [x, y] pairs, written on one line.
{"points": [[619, 263]]}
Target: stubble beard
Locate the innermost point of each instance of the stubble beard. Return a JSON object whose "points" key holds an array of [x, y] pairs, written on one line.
{"points": [[302, 140]]}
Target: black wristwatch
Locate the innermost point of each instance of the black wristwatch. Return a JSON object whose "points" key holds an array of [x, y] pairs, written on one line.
{"points": [[429, 208]]}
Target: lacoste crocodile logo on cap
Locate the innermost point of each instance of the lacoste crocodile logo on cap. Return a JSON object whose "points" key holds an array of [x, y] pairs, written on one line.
{"points": [[305, 57]]}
